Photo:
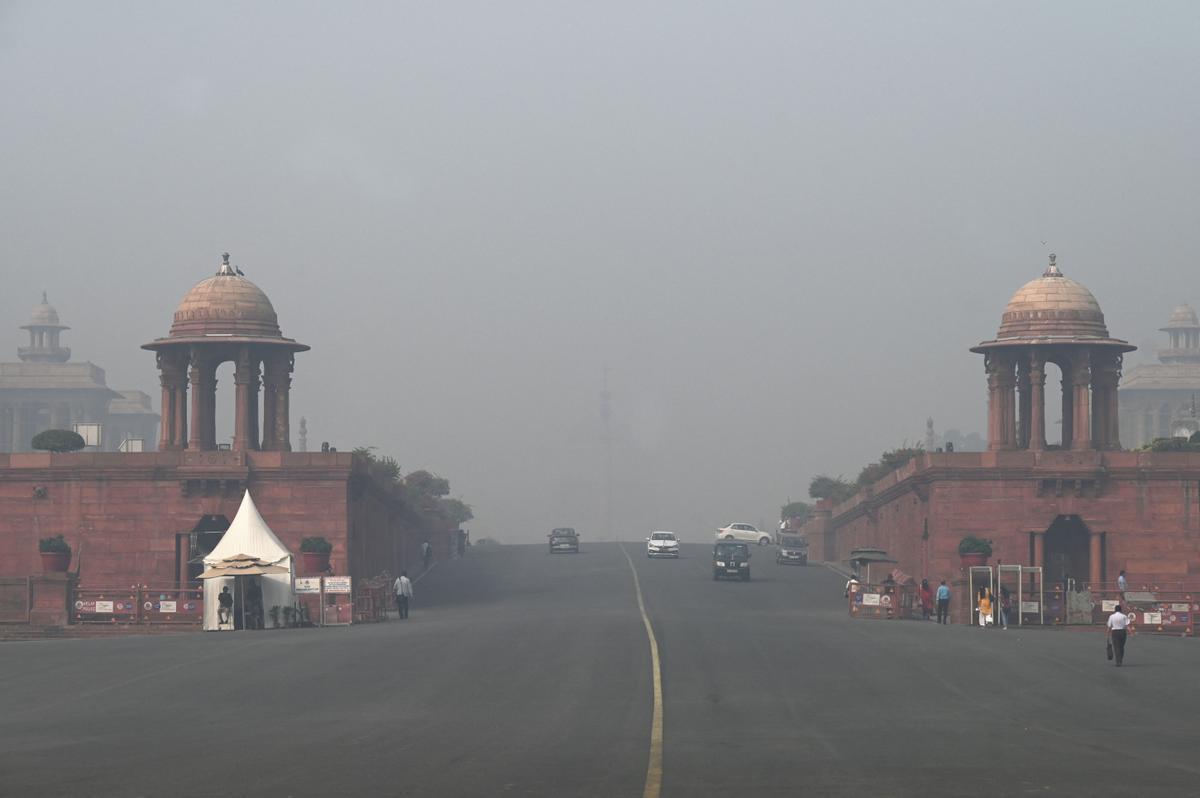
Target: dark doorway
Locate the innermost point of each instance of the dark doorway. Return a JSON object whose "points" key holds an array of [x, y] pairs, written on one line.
{"points": [[203, 538], [1068, 550]]}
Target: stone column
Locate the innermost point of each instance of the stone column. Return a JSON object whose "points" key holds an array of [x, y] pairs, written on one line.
{"points": [[277, 383], [173, 378], [245, 417], [1081, 383], [1024, 403], [204, 400], [1002, 409], [179, 428], [1094, 555], [1039, 550], [1037, 403], [1106, 376], [20, 444]]}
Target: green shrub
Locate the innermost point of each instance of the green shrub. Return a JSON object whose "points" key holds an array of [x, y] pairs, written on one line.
{"points": [[973, 545], [318, 545], [58, 440], [54, 544]]}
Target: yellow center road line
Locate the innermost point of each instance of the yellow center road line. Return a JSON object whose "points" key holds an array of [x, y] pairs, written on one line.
{"points": [[654, 768]]}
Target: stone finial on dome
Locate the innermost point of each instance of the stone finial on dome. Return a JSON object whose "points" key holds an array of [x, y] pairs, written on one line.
{"points": [[1052, 270], [226, 269]]}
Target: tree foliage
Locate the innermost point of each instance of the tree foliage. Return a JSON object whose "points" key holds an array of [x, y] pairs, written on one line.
{"points": [[58, 440], [836, 488], [797, 510], [889, 461], [422, 493]]}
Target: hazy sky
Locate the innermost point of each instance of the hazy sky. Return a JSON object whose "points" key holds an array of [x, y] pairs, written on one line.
{"points": [[781, 225]]}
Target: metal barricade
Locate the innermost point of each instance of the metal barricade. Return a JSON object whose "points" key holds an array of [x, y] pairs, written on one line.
{"points": [[141, 604]]}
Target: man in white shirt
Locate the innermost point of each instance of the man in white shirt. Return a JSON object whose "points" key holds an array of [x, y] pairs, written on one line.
{"points": [[1121, 584], [851, 582], [404, 591], [1118, 623]]}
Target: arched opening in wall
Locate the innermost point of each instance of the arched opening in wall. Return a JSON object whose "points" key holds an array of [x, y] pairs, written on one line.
{"points": [[1068, 551], [226, 398], [192, 547], [1054, 407]]}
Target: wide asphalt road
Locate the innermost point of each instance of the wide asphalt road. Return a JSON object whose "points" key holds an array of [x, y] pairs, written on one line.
{"points": [[526, 674]]}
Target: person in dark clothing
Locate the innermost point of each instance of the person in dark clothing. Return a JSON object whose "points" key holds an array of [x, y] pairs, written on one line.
{"points": [[224, 607]]}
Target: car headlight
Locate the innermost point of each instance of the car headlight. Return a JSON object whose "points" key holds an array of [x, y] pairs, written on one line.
{"points": [[720, 564], [743, 565]]}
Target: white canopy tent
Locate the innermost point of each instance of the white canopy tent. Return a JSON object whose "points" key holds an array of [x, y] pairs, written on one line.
{"points": [[249, 534]]}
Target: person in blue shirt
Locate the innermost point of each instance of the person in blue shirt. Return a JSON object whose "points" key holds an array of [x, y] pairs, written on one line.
{"points": [[943, 603]]}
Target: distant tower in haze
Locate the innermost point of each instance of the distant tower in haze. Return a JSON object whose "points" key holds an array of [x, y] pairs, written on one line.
{"points": [[930, 438], [606, 416], [303, 434]]}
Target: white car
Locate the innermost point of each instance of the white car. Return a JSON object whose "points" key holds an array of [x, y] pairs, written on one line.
{"points": [[746, 532], [662, 544]]}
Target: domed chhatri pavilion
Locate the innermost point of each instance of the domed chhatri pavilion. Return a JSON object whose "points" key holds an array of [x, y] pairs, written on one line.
{"points": [[44, 390], [1159, 400], [149, 518], [1053, 320], [1080, 507], [225, 318]]}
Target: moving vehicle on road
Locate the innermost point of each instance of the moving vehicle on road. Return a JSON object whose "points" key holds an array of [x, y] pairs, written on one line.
{"points": [[793, 550], [662, 544], [746, 532], [731, 561], [564, 539]]}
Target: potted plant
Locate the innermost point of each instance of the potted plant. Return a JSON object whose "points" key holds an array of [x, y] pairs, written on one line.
{"points": [[974, 551], [314, 555], [56, 554]]}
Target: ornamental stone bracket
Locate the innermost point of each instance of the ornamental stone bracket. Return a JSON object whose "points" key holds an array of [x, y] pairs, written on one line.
{"points": [[225, 488], [1090, 487]]}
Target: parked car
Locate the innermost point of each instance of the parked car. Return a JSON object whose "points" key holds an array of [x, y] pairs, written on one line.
{"points": [[747, 532], [662, 544], [793, 550], [731, 561], [565, 539]]}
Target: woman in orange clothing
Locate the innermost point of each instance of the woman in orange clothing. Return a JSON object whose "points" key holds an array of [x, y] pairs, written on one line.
{"points": [[985, 607]]}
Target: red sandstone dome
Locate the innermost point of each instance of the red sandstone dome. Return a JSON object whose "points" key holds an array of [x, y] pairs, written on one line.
{"points": [[1052, 306], [226, 304], [225, 308]]}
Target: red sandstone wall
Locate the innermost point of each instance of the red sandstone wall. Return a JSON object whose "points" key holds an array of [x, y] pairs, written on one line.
{"points": [[121, 512], [1148, 506]]}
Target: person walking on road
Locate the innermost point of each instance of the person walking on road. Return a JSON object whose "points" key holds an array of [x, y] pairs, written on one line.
{"points": [[426, 554], [1121, 584], [943, 603], [404, 591], [1118, 624], [926, 594], [1005, 606], [851, 582], [985, 607]]}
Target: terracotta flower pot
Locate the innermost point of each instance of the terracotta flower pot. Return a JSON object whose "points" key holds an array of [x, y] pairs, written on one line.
{"points": [[314, 562], [973, 558], [55, 562]]}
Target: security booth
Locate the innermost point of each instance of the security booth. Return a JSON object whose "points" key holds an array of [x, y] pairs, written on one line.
{"points": [[979, 577], [1026, 591], [860, 561], [255, 566]]}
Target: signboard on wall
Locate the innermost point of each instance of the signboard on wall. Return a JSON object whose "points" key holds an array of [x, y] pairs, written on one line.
{"points": [[337, 584], [308, 584], [1029, 606]]}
